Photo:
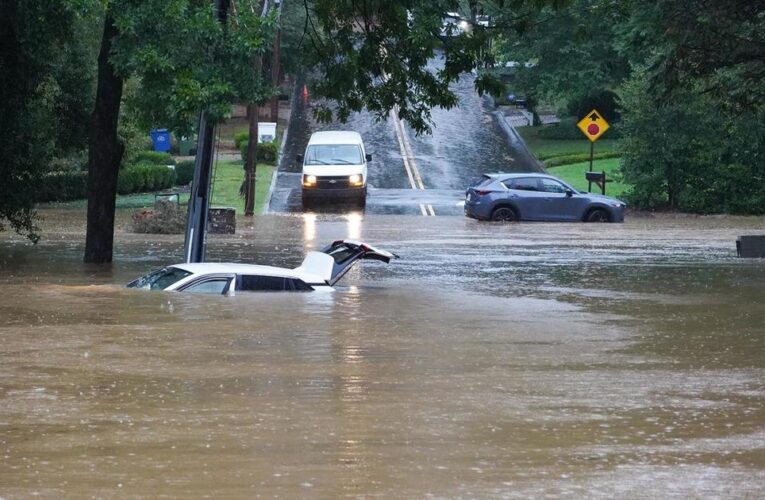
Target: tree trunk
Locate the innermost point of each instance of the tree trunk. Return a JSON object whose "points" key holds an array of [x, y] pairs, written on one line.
{"points": [[251, 160], [104, 154]]}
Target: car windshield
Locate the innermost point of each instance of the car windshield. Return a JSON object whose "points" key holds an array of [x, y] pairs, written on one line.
{"points": [[333, 154], [159, 280]]}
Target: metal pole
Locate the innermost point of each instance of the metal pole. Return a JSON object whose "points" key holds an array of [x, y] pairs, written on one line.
{"points": [[592, 149], [194, 247], [199, 199]]}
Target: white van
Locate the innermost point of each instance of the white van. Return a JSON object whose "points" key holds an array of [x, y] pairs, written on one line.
{"points": [[335, 166]]}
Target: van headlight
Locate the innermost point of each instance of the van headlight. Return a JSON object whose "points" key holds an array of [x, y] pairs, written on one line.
{"points": [[355, 180], [309, 180]]}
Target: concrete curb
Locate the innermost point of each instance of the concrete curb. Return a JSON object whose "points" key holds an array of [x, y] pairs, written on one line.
{"points": [[270, 195], [514, 136]]}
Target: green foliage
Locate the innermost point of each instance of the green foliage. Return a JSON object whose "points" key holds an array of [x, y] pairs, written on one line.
{"points": [[185, 61], [184, 172], [375, 54], [145, 177], [714, 47], [154, 158], [61, 186], [33, 35], [240, 138], [575, 52], [605, 101], [267, 151], [689, 155], [567, 130], [578, 158]]}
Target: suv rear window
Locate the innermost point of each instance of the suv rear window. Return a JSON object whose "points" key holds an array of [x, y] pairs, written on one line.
{"points": [[483, 181]]}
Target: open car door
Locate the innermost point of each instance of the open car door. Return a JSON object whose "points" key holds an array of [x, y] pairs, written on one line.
{"points": [[335, 260]]}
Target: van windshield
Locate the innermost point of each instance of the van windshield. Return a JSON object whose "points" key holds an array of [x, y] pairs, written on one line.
{"points": [[333, 154]]}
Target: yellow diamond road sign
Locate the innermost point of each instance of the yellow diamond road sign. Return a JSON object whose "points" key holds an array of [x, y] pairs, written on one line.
{"points": [[593, 125]]}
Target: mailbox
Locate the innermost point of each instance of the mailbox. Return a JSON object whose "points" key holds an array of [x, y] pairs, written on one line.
{"points": [[598, 178]]}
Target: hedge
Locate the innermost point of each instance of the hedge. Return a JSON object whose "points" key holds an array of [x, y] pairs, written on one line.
{"points": [[63, 186], [567, 130], [154, 158], [184, 172], [557, 161], [145, 177]]}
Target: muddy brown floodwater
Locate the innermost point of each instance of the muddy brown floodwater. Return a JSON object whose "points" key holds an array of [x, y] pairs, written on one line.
{"points": [[490, 361]]}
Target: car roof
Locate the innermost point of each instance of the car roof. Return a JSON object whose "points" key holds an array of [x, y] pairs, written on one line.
{"points": [[230, 268], [516, 175], [335, 137]]}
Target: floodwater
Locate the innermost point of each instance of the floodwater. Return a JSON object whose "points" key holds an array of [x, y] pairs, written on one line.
{"points": [[490, 361]]}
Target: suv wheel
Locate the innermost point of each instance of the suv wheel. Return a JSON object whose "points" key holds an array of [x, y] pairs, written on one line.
{"points": [[597, 215], [504, 214]]}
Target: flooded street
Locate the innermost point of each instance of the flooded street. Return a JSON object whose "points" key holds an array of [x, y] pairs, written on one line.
{"points": [[489, 361]]}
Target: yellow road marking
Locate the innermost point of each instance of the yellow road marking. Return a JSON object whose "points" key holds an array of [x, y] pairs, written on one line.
{"points": [[410, 164]]}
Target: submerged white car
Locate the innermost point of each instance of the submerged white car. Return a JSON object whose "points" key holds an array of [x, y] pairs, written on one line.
{"points": [[319, 271]]}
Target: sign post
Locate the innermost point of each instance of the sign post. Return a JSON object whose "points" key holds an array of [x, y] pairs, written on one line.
{"points": [[593, 126]]}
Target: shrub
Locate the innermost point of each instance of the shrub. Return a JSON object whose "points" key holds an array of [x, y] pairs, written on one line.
{"points": [[129, 181], [567, 130], [267, 151], [241, 138], [184, 172], [62, 186], [144, 177], [154, 158], [605, 101], [557, 161]]}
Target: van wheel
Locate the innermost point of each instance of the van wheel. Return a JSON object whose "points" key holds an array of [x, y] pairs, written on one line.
{"points": [[597, 215], [504, 214], [363, 199]]}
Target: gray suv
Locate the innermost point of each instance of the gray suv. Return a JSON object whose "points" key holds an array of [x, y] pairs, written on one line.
{"points": [[537, 197]]}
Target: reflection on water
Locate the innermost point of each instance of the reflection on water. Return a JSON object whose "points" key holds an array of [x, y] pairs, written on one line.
{"points": [[489, 361]]}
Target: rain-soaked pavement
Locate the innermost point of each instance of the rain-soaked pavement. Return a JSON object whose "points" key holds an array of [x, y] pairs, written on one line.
{"points": [[490, 361], [465, 142]]}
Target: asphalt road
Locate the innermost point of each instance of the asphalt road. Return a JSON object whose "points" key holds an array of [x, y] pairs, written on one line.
{"points": [[410, 174]]}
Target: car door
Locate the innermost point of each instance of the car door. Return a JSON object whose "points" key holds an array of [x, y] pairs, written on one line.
{"points": [[526, 195], [336, 259], [215, 284], [557, 205]]}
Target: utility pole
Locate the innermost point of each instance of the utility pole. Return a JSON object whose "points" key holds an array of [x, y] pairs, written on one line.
{"points": [[275, 66], [195, 245]]}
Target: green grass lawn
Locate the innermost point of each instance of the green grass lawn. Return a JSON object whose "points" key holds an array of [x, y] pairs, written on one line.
{"points": [[228, 179], [574, 175], [548, 148]]}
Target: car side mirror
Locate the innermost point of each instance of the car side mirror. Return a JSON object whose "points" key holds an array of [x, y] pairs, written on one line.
{"points": [[569, 193], [299, 158], [369, 157]]}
